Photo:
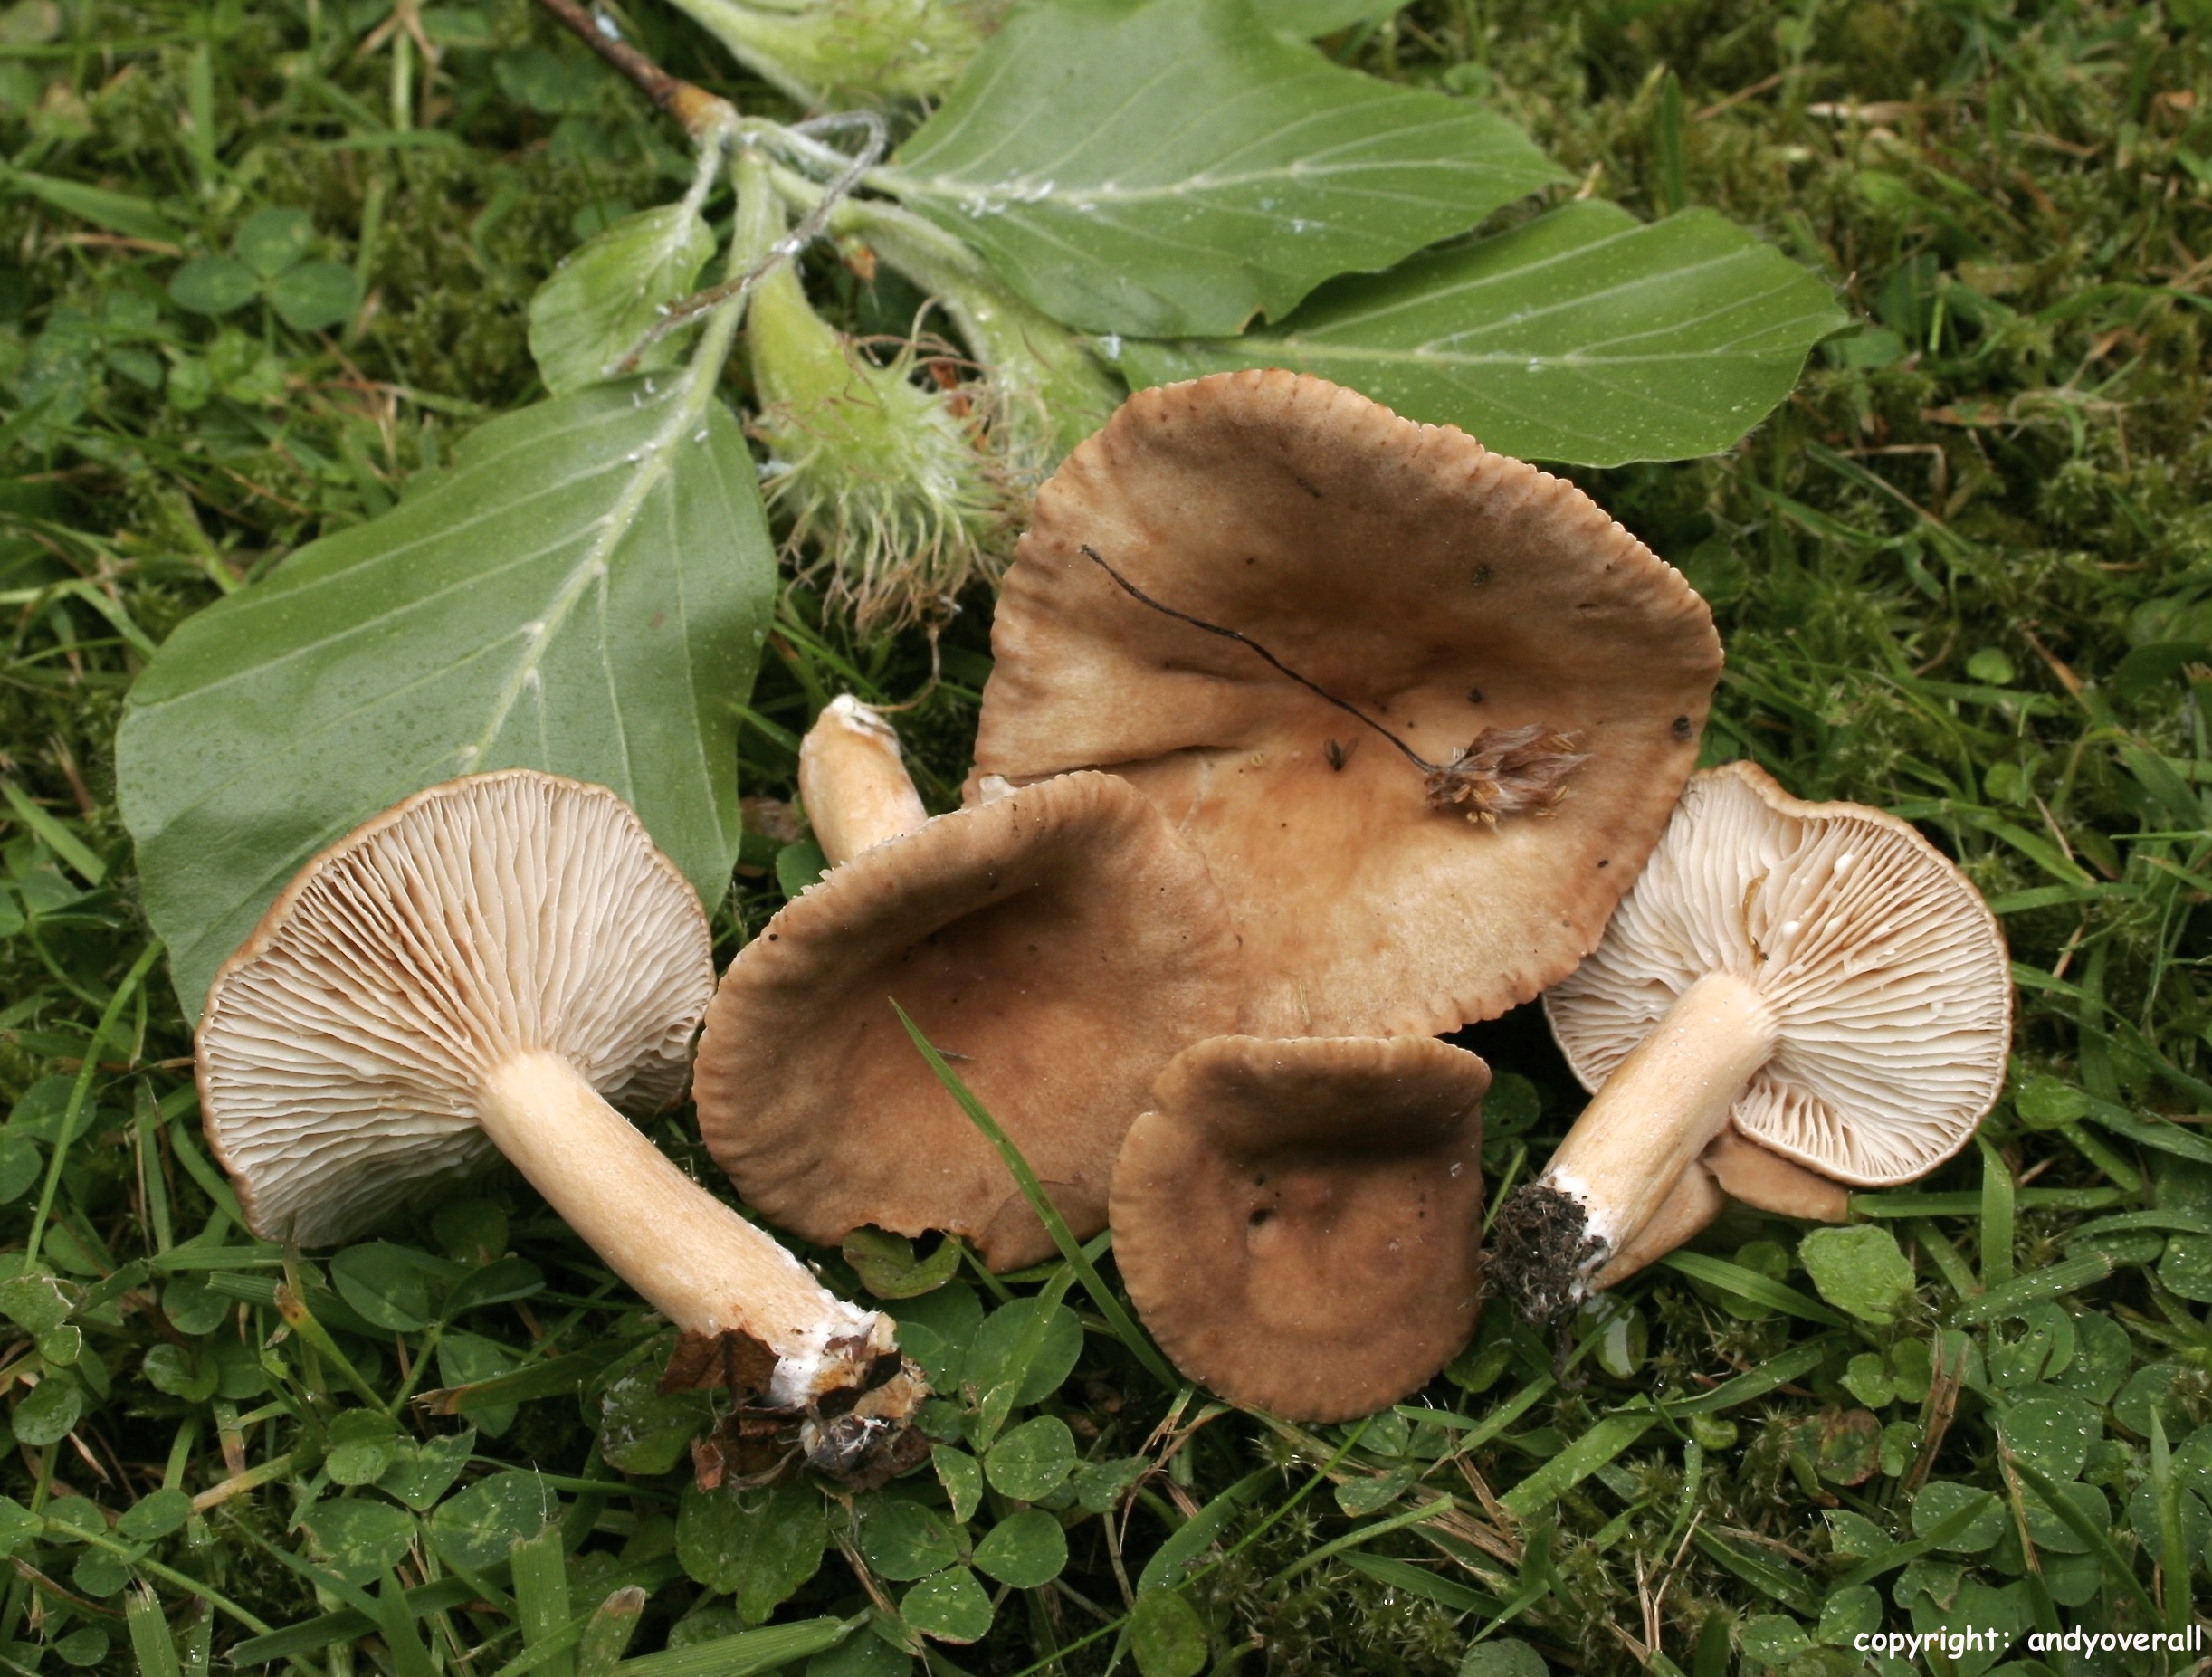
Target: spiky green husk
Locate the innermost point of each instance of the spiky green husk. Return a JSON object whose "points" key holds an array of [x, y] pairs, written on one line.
{"points": [[890, 501], [1045, 392], [842, 51]]}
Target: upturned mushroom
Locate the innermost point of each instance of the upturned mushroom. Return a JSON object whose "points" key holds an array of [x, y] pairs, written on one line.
{"points": [[1795, 998], [1060, 944], [1423, 708], [482, 969], [1298, 1220]]}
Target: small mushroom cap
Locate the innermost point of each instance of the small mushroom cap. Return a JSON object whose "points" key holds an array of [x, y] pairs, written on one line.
{"points": [[342, 1045], [1058, 945], [1886, 973], [1749, 1172], [1299, 1221], [1443, 590]]}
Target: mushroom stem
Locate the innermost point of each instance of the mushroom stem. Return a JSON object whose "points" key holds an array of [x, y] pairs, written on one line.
{"points": [[1694, 1201], [694, 1259], [1628, 1151], [853, 783]]}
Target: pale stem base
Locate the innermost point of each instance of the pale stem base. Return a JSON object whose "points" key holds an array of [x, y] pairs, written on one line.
{"points": [[688, 1255]]}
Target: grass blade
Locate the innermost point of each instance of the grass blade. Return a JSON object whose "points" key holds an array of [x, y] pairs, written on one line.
{"points": [[1110, 1306]]}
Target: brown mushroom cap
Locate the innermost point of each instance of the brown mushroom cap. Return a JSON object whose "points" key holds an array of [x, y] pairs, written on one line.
{"points": [[1443, 590], [1298, 1220], [1059, 945], [1885, 973]]}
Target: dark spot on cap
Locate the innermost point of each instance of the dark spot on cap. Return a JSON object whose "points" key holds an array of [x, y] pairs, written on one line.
{"points": [[1604, 861], [1475, 695], [1481, 576], [1682, 728]]}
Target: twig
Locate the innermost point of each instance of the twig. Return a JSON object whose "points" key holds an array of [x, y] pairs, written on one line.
{"points": [[699, 111], [681, 314], [1139, 595]]}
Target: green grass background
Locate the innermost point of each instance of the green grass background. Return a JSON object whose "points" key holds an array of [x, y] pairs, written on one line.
{"points": [[1965, 574]]}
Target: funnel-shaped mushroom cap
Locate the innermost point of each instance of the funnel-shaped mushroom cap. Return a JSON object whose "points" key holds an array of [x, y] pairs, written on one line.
{"points": [[1059, 945], [1885, 973], [1298, 1220], [1457, 597], [344, 1043]]}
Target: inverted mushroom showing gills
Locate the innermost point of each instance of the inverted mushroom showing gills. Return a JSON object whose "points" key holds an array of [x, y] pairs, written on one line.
{"points": [[1298, 1220], [1424, 709], [1794, 998], [483, 968], [1060, 944]]}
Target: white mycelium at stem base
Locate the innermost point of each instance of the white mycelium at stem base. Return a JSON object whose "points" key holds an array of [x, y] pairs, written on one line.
{"points": [[481, 966], [853, 781], [1660, 1110], [1793, 996]]}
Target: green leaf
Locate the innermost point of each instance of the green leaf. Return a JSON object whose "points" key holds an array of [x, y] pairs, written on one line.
{"points": [[270, 241], [1028, 1550], [47, 1416], [181, 1372], [2053, 1434], [390, 1284], [18, 1525], [154, 1516], [359, 1537], [585, 593], [1173, 167], [991, 1354], [1860, 1269], [212, 285], [1583, 336], [903, 1540], [799, 864], [362, 1444], [611, 290], [949, 1606], [476, 1529], [1167, 1635], [20, 1164], [421, 1473], [500, 1281], [962, 1477], [1034, 1460], [643, 1431], [84, 1648], [1941, 1499], [758, 1545], [193, 1307], [1508, 1656], [34, 1302], [887, 1267], [314, 296]]}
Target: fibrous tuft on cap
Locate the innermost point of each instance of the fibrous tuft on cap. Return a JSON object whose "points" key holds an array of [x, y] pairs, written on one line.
{"points": [[481, 918]]}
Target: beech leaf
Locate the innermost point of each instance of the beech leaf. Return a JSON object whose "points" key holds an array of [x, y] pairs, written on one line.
{"points": [[1170, 167], [1584, 335], [609, 292], [586, 593]]}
